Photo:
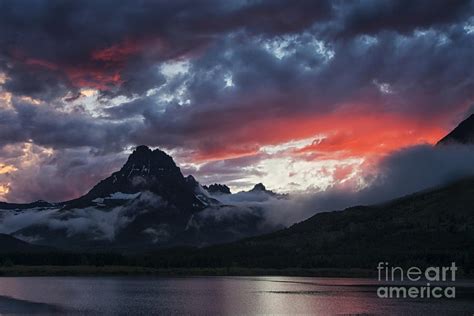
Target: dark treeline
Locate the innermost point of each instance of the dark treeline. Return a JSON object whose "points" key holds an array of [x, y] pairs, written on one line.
{"points": [[242, 257]]}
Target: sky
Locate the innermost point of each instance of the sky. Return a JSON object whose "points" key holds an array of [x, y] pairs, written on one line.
{"points": [[299, 95]]}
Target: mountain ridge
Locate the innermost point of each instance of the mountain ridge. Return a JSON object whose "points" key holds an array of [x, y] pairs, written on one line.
{"points": [[432, 227], [461, 134], [9, 244], [148, 203]]}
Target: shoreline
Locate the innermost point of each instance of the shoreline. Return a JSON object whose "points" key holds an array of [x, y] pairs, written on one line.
{"points": [[15, 271]]}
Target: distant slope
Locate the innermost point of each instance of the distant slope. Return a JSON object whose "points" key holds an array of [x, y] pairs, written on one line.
{"points": [[424, 228], [9, 244], [13, 206], [462, 134]]}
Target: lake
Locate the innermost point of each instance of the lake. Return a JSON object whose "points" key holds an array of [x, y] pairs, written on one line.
{"points": [[214, 295]]}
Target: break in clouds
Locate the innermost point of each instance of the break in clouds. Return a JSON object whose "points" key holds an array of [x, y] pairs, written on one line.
{"points": [[409, 170], [313, 97]]}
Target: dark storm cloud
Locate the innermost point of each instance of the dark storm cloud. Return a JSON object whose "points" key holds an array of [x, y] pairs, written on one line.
{"points": [[139, 77], [130, 109], [374, 16], [251, 63], [65, 44], [48, 127], [49, 47], [70, 37], [10, 128], [35, 81], [417, 71], [73, 43]]}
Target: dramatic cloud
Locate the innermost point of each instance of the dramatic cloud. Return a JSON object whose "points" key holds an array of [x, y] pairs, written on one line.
{"points": [[35, 173], [299, 94], [373, 16]]}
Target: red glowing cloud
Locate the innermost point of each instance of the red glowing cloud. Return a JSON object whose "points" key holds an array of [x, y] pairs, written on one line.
{"points": [[100, 79], [117, 53], [337, 135], [41, 63], [101, 70], [368, 134]]}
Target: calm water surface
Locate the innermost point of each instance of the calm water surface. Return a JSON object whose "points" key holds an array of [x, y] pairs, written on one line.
{"points": [[213, 296]]}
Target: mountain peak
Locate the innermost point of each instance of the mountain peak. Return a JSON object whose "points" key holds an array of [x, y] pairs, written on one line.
{"points": [[148, 166], [259, 187], [218, 188], [462, 134], [147, 170], [140, 151], [144, 156], [142, 148]]}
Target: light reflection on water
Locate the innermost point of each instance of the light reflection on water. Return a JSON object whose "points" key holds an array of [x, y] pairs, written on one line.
{"points": [[212, 295]]}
